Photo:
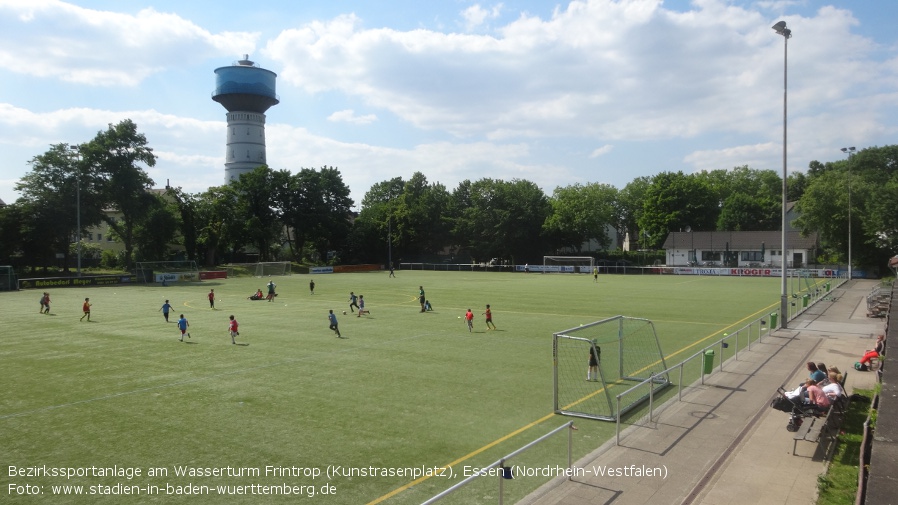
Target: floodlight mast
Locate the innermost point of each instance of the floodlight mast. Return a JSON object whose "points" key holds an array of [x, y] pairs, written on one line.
{"points": [[781, 29], [849, 151]]}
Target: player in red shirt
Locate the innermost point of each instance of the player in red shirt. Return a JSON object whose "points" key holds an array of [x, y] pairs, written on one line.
{"points": [[489, 318], [211, 298], [86, 309], [232, 328], [469, 319]]}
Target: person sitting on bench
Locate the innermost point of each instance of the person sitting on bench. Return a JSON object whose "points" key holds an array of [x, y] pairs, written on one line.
{"points": [[816, 396], [834, 389], [876, 352]]}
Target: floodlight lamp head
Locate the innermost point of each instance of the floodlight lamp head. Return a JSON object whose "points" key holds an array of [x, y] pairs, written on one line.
{"points": [[781, 29]]}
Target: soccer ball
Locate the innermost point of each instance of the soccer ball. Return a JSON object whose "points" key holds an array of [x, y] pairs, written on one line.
{"points": [[344, 312]]}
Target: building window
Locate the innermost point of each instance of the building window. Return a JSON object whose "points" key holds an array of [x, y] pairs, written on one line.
{"points": [[752, 256]]}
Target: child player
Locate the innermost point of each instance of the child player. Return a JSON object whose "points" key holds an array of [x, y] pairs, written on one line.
{"points": [[469, 319], [166, 307], [489, 318], [362, 309], [232, 329], [595, 353], [211, 297], [333, 320], [86, 309], [183, 325]]}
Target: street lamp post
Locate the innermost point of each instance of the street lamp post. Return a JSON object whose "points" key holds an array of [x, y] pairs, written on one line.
{"points": [[781, 29], [849, 151], [76, 155]]}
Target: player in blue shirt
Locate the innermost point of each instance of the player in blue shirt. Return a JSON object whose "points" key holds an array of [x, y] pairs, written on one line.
{"points": [[183, 325], [166, 307], [333, 320]]}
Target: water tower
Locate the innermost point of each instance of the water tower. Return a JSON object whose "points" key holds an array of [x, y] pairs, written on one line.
{"points": [[246, 91]]}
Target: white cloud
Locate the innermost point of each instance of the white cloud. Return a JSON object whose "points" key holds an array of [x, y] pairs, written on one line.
{"points": [[100, 48], [348, 116], [605, 149], [654, 88], [475, 16]]}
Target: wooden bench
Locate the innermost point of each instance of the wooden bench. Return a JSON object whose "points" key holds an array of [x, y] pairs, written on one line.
{"points": [[815, 427]]}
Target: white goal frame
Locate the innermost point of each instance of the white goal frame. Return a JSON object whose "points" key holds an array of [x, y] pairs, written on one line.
{"points": [[568, 264], [260, 269], [620, 367]]}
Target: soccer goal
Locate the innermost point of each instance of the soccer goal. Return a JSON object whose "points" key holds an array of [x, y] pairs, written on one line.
{"points": [[166, 272], [568, 264], [627, 352], [260, 269], [8, 281]]}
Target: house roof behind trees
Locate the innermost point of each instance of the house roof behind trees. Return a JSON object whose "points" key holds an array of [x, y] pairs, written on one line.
{"points": [[738, 240]]}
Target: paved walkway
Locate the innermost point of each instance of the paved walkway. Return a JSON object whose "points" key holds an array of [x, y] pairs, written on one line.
{"points": [[723, 444]]}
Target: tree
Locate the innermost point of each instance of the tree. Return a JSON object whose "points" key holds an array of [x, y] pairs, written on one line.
{"points": [[315, 207], [50, 202], [257, 207], [872, 176], [749, 200], [582, 213], [217, 225], [419, 217], [156, 230], [368, 239], [629, 206], [743, 212], [675, 201], [499, 219], [113, 155], [185, 207]]}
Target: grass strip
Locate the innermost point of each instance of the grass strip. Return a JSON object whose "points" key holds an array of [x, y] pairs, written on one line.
{"points": [[839, 485]]}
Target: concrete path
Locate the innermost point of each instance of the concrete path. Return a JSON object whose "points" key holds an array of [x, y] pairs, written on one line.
{"points": [[723, 444]]}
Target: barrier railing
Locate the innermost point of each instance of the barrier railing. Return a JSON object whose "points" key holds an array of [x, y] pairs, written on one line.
{"points": [[503, 472], [801, 302]]}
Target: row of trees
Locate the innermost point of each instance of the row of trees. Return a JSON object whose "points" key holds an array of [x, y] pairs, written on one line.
{"points": [[307, 215]]}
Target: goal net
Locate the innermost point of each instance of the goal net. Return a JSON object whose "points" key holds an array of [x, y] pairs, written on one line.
{"points": [[627, 352], [166, 272], [568, 264], [261, 269]]}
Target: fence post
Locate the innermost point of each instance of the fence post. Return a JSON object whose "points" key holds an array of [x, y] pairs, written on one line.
{"points": [[651, 397], [618, 420], [570, 449], [680, 386], [736, 354], [501, 479], [721, 352]]}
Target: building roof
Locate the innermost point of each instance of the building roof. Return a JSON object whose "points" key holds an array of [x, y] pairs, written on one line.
{"points": [[738, 240]]}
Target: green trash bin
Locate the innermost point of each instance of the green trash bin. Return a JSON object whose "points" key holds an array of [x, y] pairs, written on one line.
{"points": [[773, 316], [827, 287], [708, 362], [804, 301]]}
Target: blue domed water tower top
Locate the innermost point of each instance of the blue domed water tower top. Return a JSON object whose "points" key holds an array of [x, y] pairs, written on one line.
{"points": [[245, 87]]}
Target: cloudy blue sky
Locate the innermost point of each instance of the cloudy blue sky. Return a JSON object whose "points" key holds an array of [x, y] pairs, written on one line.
{"points": [[556, 93]]}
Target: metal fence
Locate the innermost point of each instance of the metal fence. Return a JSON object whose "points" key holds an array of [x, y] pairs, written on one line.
{"points": [[501, 472], [727, 347]]}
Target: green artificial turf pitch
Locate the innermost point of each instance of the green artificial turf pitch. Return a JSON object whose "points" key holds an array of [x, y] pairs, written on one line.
{"points": [[403, 391]]}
